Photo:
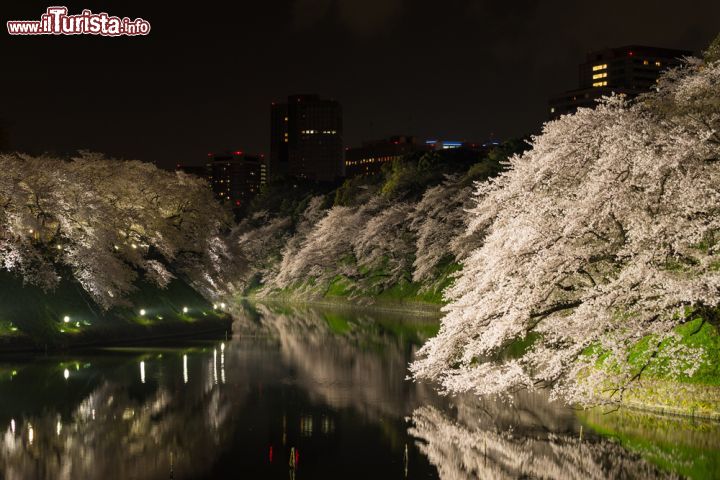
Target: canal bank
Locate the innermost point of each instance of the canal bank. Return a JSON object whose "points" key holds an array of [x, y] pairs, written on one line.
{"points": [[32, 319]]}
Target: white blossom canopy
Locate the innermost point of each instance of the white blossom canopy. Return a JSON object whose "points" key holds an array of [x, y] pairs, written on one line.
{"points": [[605, 233]]}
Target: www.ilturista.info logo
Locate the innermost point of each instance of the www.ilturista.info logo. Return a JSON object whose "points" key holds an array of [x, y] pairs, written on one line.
{"points": [[56, 21]]}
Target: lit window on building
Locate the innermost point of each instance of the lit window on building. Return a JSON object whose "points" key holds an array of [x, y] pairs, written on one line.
{"points": [[645, 62], [600, 84], [599, 75], [658, 64], [595, 68]]}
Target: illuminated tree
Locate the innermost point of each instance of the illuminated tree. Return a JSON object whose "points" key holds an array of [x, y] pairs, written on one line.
{"points": [[604, 234], [104, 221], [438, 219]]}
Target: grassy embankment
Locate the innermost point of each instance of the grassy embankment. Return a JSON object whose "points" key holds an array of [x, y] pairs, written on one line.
{"points": [[367, 290], [689, 447], [31, 319], [662, 387]]}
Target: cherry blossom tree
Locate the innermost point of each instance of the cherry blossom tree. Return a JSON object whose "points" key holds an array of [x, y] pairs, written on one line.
{"points": [[384, 246], [438, 219], [604, 234], [319, 255], [257, 245], [104, 222]]}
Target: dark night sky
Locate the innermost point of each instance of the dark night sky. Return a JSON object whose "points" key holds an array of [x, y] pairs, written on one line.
{"points": [[204, 78]]}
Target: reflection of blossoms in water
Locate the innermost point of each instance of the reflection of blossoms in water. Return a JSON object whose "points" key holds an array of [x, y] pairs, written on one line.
{"points": [[460, 452], [362, 368], [113, 434]]}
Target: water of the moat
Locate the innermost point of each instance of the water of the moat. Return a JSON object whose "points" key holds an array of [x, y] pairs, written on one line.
{"points": [[309, 394]]}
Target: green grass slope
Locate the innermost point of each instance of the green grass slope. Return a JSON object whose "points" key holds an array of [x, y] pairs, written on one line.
{"points": [[33, 319]]}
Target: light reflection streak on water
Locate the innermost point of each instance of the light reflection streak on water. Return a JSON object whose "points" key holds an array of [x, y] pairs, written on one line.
{"points": [[215, 375], [185, 369], [222, 362]]}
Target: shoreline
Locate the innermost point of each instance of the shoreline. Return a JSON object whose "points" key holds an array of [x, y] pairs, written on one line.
{"points": [[415, 308], [134, 335]]}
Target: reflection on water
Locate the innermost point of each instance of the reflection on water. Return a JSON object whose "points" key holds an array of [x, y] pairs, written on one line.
{"points": [[296, 394], [480, 442]]}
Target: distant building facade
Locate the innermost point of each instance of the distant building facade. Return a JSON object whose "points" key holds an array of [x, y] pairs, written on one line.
{"points": [[629, 70], [369, 158], [443, 144], [236, 177], [306, 138]]}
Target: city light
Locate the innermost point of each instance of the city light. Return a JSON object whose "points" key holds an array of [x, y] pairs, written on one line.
{"points": [[66, 319], [185, 309], [142, 312], [185, 369], [66, 374], [142, 372]]}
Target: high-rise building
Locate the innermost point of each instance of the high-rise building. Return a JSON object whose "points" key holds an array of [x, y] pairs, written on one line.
{"points": [[279, 140], [235, 176], [306, 138], [629, 70], [369, 158]]}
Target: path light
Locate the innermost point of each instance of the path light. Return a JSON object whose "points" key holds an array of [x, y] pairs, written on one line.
{"points": [[66, 374], [185, 310], [222, 305], [66, 319], [214, 306], [142, 312], [77, 324]]}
